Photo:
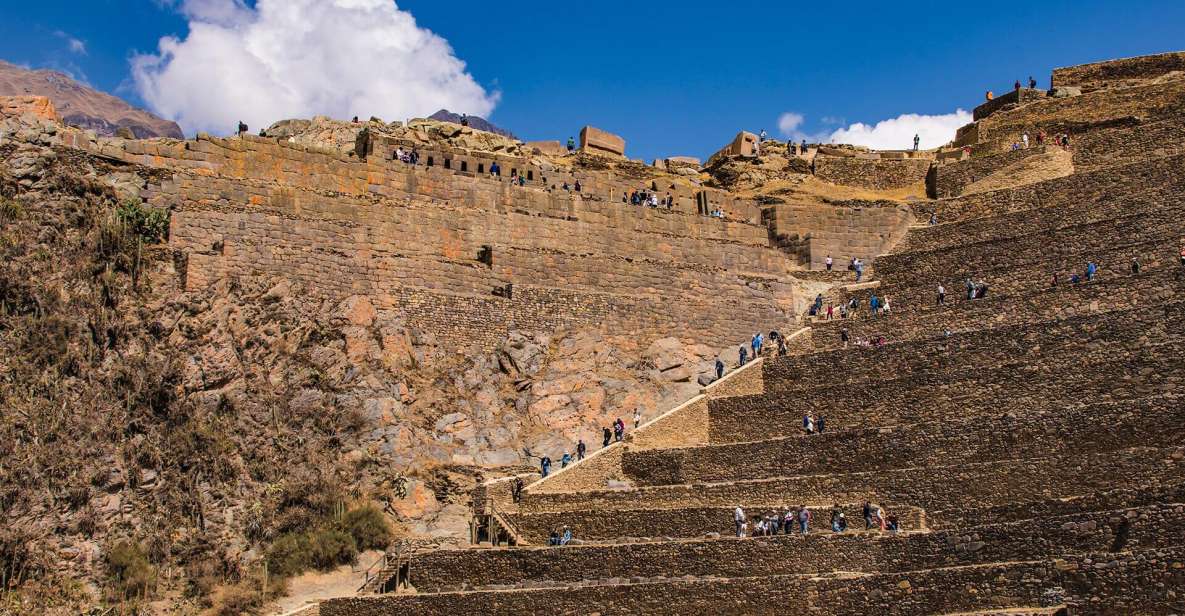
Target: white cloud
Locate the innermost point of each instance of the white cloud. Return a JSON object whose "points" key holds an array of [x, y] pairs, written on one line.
{"points": [[897, 133], [299, 58], [75, 45], [789, 122]]}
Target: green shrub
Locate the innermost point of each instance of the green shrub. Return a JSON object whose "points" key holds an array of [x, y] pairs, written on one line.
{"points": [[289, 554], [150, 224], [129, 567], [368, 527], [331, 547]]}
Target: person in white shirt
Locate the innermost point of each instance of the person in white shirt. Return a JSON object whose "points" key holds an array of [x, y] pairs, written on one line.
{"points": [[828, 262], [738, 516], [1025, 139], [637, 418]]}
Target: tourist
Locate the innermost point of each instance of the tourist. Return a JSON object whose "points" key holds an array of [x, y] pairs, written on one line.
{"points": [[495, 170], [828, 262], [837, 521], [1053, 283], [1183, 256], [1041, 136], [1091, 270], [933, 218], [867, 511], [758, 341], [844, 337], [885, 307], [242, 127], [830, 311], [821, 424], [464, 119], [873, 305], [670, 202], [566, 187], [892, 524], [738, 516], [981, 289], [843, 310], [1135, 265], [618, 430], [553, 538], [545, 465], [987, 96], [1016, 86], [810, 425], [970, 289], [1025, 139], [782, 351], [566, 538], [577, 186], [606, 435], [1032, 83], [916, 140], [1074, 279], [879, 513], [859, 270], [719, 368], [804, 147], [744, 356], [806, 421], [565, 460], [571, 144], [637, 418], [941, 294], [516, 489], [580, 449], [804, 519], [522, 180]]}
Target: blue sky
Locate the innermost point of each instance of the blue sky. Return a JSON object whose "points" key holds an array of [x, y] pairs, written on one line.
{"points": [[672, 78]]}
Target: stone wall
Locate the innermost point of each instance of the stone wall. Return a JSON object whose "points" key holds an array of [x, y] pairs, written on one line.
{"points": [[39, 106], [1132, 582], [412, 241], [875, 174], [951, 178], [822, 551], [1012, 97], [1118, 72], [843, 229]]}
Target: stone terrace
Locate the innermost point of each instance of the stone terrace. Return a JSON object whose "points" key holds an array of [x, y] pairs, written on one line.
{"points": [[1033, 454]]}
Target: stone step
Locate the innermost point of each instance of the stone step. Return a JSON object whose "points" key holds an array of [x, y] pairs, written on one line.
{"points": [[1008, 433], [1060, 382], [1144, 575], [968, 351], [957, 485], [817, 552]]}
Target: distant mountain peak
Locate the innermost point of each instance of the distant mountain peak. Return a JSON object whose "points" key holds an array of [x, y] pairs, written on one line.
{"points": [[83, 106], [476, 122]]}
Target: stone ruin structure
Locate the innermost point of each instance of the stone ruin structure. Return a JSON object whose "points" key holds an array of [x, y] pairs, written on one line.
{"points": [[1029, 442]]}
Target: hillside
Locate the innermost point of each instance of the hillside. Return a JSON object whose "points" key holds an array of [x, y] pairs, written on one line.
{"points": [[83, 106]]}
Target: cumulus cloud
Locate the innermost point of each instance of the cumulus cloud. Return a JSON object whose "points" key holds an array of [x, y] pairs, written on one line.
{"points": [[790, 124], [897, 133], [299, 58]]}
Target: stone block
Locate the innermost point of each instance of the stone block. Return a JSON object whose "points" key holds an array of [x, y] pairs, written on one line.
{"points": [[597, 141]]}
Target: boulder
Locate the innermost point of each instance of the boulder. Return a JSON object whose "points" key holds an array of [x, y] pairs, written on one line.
{"points": [[546, 148]]}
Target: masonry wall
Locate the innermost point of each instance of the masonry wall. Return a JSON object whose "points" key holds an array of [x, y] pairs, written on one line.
{"points": [[844, 229], [875, 174], [1118, 72], [953, 177], [572, 262], [1112, 583], [820, 552]]}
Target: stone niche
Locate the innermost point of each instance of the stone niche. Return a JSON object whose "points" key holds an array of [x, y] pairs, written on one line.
{"points": [[597, 141]]}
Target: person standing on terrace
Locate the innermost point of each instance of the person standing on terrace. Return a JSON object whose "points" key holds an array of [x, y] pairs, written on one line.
{"points": [[916, 141], [719, 369], [744, 356], [606, 435], [545, 466], [580, 449], [804, 519], [618, 430], [571, 144], [738, 516], [941, 295], [637, 418], [828, 262], [1032, 83], [1135, 265]]}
